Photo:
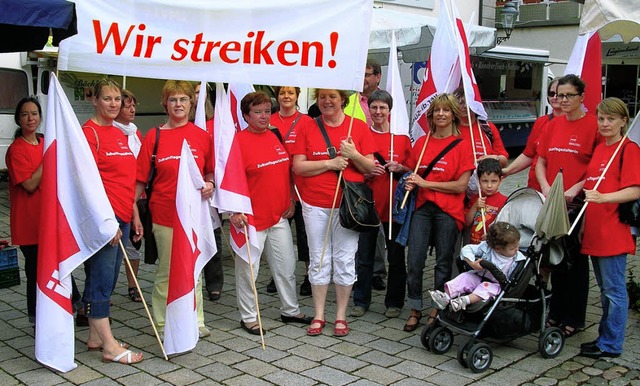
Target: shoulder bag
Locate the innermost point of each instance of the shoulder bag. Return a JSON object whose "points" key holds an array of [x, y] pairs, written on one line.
{"points": [[629, 212], [150, 246], [357, 209]]}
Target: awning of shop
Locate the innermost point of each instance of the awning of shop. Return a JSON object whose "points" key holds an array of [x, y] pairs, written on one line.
{"points": [[414, 35], [611, 18], [520, 54]]}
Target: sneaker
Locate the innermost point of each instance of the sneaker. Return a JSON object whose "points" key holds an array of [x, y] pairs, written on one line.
{"points": [[459, 303], [305, 287], [378, 284], [440, 299], [271, 287], [357, 311], [392, 312], [203, 332]]}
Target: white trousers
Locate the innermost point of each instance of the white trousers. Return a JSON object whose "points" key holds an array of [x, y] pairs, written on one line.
{"points": [[277, 244], [340, 252]]}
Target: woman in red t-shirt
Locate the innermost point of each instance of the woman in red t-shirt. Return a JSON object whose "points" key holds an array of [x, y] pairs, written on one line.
{"points": [[312, 160], [24, 162], [178, 101], [116, 165], [529, 156], [603, 235], [567, 144], [267, 169], [439, 213], [380, 104], [288, 120]]}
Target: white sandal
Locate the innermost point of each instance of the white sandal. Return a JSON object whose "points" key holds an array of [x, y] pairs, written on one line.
{"points": [[117, 358]]}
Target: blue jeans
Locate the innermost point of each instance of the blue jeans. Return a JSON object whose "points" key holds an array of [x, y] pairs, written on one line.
{"points": [[429, 225], [365, 262], [610, 274], [101, 271]]}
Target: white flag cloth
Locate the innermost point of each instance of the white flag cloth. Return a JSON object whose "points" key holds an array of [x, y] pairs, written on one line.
{"points": [[237, 91], [201, 115], [193, 245], [76, 221], [399, 124], [439, 75], [586, 62], [232, 193]]}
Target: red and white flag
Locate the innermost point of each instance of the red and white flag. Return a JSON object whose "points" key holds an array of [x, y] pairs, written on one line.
{"points": [[399, 120], [76, 221], [438, 76], [586, 62], [232, 191], [201, 115], [194, 243], [471, 90], [237, 91]]}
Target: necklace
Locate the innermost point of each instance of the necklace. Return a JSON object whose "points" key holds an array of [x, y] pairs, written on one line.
{"points": [[30, 141]]}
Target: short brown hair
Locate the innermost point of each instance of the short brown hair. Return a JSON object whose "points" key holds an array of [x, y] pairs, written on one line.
{"points": [[127, 96], [105, 83], [343, 94], [253, 99], [172, 87]]}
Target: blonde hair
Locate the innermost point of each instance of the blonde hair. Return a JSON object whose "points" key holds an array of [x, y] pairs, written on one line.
{"points": [[615, 106], [448, 101], [172, 87]]}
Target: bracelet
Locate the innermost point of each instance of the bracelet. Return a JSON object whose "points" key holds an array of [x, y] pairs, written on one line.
{"points": [[212, 183]]}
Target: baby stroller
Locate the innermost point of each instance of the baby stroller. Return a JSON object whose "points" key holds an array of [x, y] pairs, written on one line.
{"points": [[518, 310]]}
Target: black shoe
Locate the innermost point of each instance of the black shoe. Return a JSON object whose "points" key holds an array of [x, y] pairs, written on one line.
{"points": [[596, 353], [271, 287], [254, 330], [214, 296], [296, 319], [589, 345], [82, 321], [305, 287], [378, 284]]}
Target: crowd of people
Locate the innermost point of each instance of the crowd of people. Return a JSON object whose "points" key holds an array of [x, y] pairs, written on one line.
{"points": [[292, 164]]}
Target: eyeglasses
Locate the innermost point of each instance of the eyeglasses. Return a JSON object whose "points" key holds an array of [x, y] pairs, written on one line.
{"points": [[368, 74], [261, 112], [551, 94], [182, 100], [566, 96]]}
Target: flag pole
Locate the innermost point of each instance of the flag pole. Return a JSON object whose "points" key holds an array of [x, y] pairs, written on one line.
{"points": [[144, 303], [253, 283], [415, 171], [391, 190], [475, 160], [335, 194], [584, 207]]}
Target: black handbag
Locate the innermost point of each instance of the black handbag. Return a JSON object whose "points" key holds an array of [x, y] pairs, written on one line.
{"points": [[150, 246], [629, 212], [357, 210]]}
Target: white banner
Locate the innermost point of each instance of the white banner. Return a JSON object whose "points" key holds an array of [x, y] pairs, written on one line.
{"points": [[306, 43]]}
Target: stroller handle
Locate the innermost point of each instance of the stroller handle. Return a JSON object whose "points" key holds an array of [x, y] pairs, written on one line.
{"points": [[496, 272]]}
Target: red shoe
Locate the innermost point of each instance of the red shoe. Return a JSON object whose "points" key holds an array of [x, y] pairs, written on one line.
{"points": [[341, 331], [311, 331]]}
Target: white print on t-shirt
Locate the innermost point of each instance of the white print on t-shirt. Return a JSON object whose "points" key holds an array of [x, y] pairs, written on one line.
{"points": [[595, 178], [270, 163], [173, 157], [562, 150], [117, 153], [279, 149], [122, 145], [573, 141]]}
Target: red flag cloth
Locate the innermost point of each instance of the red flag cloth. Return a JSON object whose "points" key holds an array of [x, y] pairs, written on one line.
{"points": [[232, 193], [192, 247], [586, 62], [76, 221], [440, 75], [237, 91]]}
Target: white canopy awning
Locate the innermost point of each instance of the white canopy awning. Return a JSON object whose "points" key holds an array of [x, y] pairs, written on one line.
{"points": [[611, 18], [414, 35]]}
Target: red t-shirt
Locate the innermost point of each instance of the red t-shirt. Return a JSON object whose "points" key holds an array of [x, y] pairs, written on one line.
{"points": [[163, 197], [604, 234], [318, 190], [268, 170], [380, 184], [531, 149], [493, 204], [495, 147], [283, 124], [22, 160], [449, 168], [116, 164], [568, 145]]}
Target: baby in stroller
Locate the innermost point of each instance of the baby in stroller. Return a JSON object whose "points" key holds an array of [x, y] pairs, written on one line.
{"points": [[501, 249]]}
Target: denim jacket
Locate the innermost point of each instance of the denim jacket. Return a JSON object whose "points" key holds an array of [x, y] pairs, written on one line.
{"points": [[403, 216]]}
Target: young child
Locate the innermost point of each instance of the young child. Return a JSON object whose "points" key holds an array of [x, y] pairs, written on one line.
{"points": [[500, 248], [489, 176]]}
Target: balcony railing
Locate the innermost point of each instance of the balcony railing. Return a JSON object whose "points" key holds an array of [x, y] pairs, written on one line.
{"points": [[543, 13]]}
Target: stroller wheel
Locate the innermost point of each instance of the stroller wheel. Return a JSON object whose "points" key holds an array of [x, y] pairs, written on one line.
{"points": [[426, 332], [463, 352], [551, 342], [479, 357], [440, 340]]}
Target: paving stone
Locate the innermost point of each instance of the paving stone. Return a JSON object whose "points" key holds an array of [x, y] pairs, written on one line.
{"points": [[603, 365], [283, 377], [255, 367], [379, 374], [181, 377], [246, 379], [40, 376], [546, 381], [619, 381], [82, 374], [592, 371], [329, 376], [140, 379], [558, 373], [344, 363], [218, 372], [609, 375], [579, 377], [598, 381], [566, 382], [572, 366]]}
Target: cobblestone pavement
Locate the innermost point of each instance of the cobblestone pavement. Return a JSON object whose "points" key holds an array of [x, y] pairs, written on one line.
{"points": [[376, 351]]}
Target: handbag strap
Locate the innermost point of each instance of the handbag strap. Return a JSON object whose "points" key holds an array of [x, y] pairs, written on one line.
{"points": [[152, 170], [439, 157], [331, 150], [293, 125]]}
